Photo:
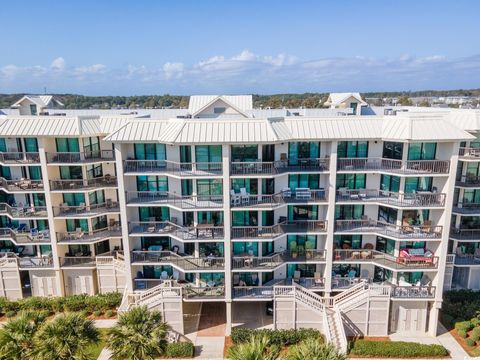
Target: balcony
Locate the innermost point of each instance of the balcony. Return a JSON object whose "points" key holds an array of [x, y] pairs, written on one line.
{"points": [[80, 157], [406, 200], [203, 293], [86, 210], [22, 185], [187, 202], [381, 228], [298, 196], [409, 167], [413, 292], [468, 153], [30, 212], [464, 234], [468, 181], [279, 167], [467, 208], [9, 259], [172, 168], [78, 262], [247, 262], [83, 184], [19, 158], [81, 237], [163, 228], [386, 260], [272, 232], [185, 263], [24, 236]]}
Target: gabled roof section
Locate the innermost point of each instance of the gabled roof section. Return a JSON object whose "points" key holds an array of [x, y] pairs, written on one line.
{"points": [[241, 103], [335, 99], [139, 131], [40, 100], [50, 126]]}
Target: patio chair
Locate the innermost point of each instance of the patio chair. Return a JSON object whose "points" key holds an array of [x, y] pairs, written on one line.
{"points": [[476, 255], [459, 252], [244, 196], [296, 276], [236, 280], [164, 275], [81, 208], [234, 198], [78, 233], [343, 192], [176, 276], [286, 193], [317, 279]]}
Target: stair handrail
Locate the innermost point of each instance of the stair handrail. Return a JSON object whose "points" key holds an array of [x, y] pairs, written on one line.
{"points": [[343, 337], [345, 295], [328, 332], [309, 297], [124, 305]]}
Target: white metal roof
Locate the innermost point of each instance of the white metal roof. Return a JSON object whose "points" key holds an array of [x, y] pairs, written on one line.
{"points": [[138, 131], [338, 98], [50, 126], [40, 100]]}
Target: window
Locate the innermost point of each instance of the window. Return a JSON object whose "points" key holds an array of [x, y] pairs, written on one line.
{"points": [[71, 172], [218, 110], [268, 186], [154, 272], [152, 183], [386, 246], [390, 183], [67, 145], [3, 145], [150, 152], [352, 149], [94, 171], [157, 213], [74, 199], [187, 187], [206, 249], [348, 212], [245, 248], [91, 146], [250, 185], [216, 278], [471, 196], [74, 224], [35, 172], [244, 153], [387, 215], [301, 242], [208, 153], [305, 270], [33, 109], [413, 184], [31, 144], [351, 181], [311, 181], [244, 218], [346, 242], [38, 199], [302, 150], [210, 217], [302, 212], [102, 247], [163, 241], [268, 218], [99, 222], [96, 197], [381, 274], [209, 187], [185, 154], [392, 150], [422, 151]]}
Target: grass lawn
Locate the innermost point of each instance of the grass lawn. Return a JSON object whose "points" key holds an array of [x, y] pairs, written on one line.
{"points": [[95, 350]]}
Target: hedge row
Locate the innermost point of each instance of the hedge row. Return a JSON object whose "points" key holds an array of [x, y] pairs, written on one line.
{"points": [[276, 337], [396, 349], [179, 350], [81, 303]]}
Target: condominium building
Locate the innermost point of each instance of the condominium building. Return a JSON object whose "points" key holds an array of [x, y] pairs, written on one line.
{"points": [[326, 218]]}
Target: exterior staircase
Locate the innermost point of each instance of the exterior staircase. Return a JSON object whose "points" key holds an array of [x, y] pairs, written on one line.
{"points": [[150, 298]]}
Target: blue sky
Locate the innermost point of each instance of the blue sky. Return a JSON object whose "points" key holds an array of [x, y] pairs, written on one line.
{"points": [[204, 46]]}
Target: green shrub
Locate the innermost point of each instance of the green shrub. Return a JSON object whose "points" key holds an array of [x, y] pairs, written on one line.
{"points": [[10, 314], [462, 333], [475, 321], [470, 342], [109, 313], [476, 332], [464, 325], [276, 337], [398, 349], [179, 350], [98, 313], [36, 303], [474, 337]]}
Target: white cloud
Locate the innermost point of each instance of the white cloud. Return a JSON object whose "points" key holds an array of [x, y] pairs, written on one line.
{"points": [[58, 64], [173, 70], [92, 69], [10, 70]]}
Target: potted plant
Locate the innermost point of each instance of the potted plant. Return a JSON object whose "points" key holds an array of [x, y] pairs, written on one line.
{"points": [[309, 249], [293, 249]]}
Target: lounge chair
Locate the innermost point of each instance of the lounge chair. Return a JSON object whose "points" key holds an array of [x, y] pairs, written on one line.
{"points": [[244, 196], [234, 198]]}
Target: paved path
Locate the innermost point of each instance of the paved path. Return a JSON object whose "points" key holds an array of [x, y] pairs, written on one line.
{"points": [[105, 354], [209, 347]]}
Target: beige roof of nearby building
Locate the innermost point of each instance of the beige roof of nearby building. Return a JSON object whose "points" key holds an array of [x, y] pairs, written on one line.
{"points": [[40, 100], [338, 98]]}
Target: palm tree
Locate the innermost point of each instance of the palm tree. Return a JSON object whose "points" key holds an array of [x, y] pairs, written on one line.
{"points": [[314, 349], [66, 337], [16, 337], [257, 348], [138, 335]]}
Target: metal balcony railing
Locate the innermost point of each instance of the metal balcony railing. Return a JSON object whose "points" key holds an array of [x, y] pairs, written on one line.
{"points": [[20, 158], [159, 228], [417, 199], [25, 236], [468, 152], [78, 261], [86, 210], [21, 185], [166, 198], [383, 228], [80, 157], [394, 166], [380, 258], [172, 167], [279, 167], [466, 208], [284, 197], [270, 232], [75, 184], [464, 234], [468, 180], [276, 259], [90, 236], [23, 212], [186, 263]]}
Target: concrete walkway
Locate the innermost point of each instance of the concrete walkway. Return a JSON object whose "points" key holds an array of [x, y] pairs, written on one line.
{"points": [[445, 339], [105, 354]]}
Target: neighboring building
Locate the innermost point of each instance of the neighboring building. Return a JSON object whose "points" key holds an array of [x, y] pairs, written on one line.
{"points": [[346, 100], [343, 222], [37, 105]]}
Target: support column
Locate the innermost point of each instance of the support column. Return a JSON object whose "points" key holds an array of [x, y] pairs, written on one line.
{"points": [[123, 216], [227, 223], [332, 179]]}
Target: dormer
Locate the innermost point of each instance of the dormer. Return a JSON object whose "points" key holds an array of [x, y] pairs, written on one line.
{"points": [[346, 101], [37, 104], [216, 106]]}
